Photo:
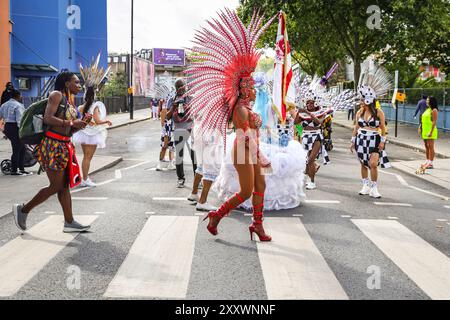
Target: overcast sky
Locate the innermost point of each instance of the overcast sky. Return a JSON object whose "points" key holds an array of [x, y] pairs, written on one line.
{"points": [[159, 23]]}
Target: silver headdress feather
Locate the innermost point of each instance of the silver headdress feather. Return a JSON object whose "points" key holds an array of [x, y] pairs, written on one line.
{"points": [[163, 90], [93, 75], [373, 83]]}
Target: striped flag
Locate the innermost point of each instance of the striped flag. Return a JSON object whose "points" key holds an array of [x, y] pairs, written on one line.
{"points": [[283, 85]]}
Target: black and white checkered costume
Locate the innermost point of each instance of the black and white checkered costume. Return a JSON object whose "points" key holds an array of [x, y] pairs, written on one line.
{"points": [[308, 140], [167, 131], [367, 143]]}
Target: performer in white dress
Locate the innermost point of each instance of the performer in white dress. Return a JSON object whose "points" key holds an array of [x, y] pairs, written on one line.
{"points": [[94, 136]]}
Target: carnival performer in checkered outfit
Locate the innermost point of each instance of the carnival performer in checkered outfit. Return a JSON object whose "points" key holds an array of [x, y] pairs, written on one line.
{"points": [[369, 135], [318, 107]]}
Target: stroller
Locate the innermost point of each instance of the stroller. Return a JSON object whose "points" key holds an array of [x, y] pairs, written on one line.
{"points": [[327, 130], [29, 161]]}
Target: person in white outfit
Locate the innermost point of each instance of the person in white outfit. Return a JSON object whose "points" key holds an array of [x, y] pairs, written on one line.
{"points": [[94, 136], [209, 155]]}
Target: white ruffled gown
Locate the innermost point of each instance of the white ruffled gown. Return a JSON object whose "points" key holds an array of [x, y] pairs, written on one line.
{"points": [[284, 187], [93, 135]]}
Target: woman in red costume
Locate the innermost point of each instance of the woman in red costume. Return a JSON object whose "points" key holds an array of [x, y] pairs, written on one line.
{"points": [[223, 88]]}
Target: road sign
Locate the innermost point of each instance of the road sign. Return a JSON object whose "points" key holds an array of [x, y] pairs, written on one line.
{"points": [[401, 97]]}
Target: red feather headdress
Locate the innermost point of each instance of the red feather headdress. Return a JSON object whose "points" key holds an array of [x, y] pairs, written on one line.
{"points": [[225, 56]]}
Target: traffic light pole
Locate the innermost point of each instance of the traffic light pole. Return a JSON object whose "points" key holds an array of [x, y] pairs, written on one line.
{"points": [[132, 63]]}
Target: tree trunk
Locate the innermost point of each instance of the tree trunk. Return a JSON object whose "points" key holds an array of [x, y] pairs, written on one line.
{"points": [[357, 69]]}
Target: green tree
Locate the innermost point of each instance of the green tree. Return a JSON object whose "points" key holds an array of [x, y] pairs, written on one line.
{"points": [[323, 31], [116, 87]]}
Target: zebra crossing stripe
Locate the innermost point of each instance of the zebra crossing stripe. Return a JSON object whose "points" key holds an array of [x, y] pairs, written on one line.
{"points": [[293, 267], [421, 262], [22, 258], [159, 262]]}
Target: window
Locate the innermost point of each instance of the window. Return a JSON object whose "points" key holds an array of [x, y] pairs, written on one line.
{"points": [[70, 48], [24, 83]]}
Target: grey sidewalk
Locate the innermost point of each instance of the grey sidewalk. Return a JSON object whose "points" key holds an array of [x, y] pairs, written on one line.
{"points": [[408, 137]]}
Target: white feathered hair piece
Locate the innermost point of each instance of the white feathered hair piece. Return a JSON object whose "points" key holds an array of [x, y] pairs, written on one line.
{"points": [[93, 75], [163, 90], [373, 83]]}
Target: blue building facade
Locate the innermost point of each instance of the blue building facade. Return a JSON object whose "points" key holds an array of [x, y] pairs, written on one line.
{"points": [[51, 35]]}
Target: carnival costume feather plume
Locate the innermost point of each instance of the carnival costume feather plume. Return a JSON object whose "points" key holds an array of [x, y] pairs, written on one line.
{"points": [[93, 75], [373, 83], [226, 55], [163, 90]]}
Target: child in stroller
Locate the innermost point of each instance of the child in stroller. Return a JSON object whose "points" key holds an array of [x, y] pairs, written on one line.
{"points": [[29, 161]]}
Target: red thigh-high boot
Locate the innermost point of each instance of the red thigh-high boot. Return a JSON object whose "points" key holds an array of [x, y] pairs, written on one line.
{"points": [[257, 226], [216, 216]]}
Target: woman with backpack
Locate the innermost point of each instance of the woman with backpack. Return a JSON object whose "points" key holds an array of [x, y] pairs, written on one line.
{"points": [[56, 153]]}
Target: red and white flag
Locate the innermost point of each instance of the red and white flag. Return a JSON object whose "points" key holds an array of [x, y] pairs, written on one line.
{"points": [[283, 82]]}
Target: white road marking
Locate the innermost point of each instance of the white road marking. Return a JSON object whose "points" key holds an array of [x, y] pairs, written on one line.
{"points": [[447, 207], [152, 169], [431, 193], [117, 174], [406, 184], [441, 220], [293, 267], [248, 215], [100, 212], [5, 214], [136, 165], [322, 201], [399, 178], [49, 212], [158, 264], [169, 199], [89, 198], [345, 216], [421, 262], [392, 218], [297, 215], [22, 258], [150, 213], [393, 204]]}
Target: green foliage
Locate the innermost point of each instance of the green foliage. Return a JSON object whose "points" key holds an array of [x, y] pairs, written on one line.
{"points": [[116, 87], [324, 31]]}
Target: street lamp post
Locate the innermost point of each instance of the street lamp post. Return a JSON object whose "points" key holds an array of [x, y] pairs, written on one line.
{"points": [[132, 63]]}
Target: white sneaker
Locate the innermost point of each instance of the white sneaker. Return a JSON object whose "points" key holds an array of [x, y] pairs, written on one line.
{"points": [[89, 183], [83, 184], [171, 166], [193, 198], [311, 186], [159, 167], [365, 191], [374, 192], [205, 207]]}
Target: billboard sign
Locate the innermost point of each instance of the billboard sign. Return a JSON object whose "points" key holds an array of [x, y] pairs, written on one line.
{"points": [[169, 57]]}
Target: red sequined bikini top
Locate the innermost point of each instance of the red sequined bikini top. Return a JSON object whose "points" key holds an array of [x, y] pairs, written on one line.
{"points": [[254, 122]]}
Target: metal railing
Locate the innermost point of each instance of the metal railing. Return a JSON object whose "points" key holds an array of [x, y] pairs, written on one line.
{"points": [[407, 109], [113, 104]]}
